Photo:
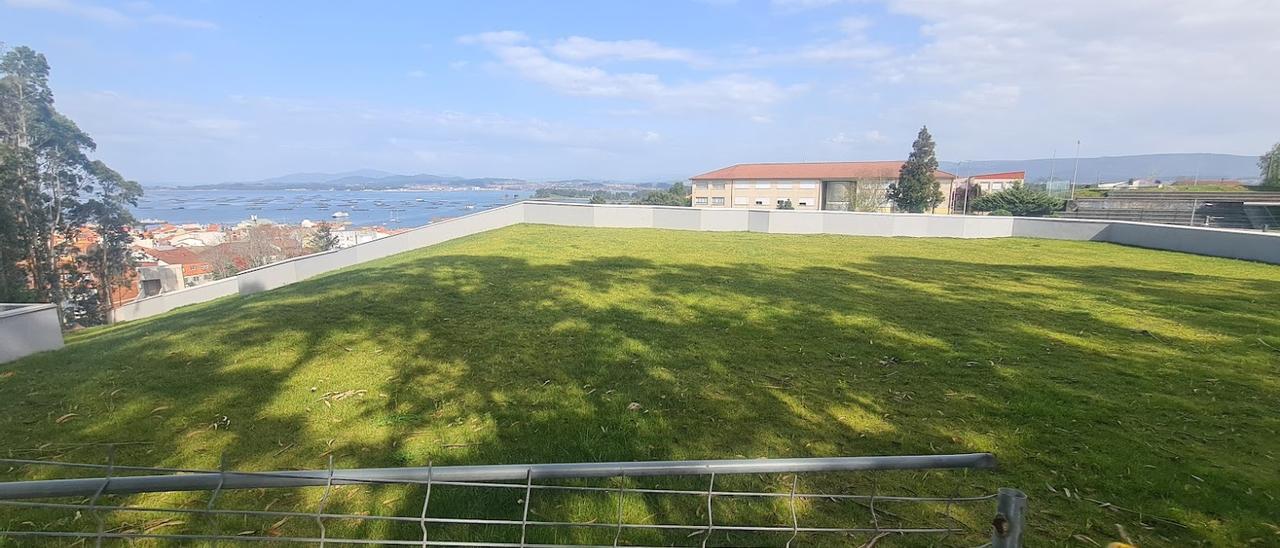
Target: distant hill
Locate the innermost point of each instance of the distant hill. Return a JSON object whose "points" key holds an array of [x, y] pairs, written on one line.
{"points": [[295, 178], [1169, 167], [354, 180]]}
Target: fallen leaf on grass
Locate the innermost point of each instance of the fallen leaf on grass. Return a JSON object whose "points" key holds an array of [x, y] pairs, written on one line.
{"points": [[66, 418], [161, 523], [339, 396]]}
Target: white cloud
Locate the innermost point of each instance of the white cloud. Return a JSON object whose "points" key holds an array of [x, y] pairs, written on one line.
{"points": [[180, 22], [851, 45], [100, 14], [416, 74], [725, 92], [1131, 76], [578, 48], [805, 4], [246, 137], [110, 16], [867, 137]]}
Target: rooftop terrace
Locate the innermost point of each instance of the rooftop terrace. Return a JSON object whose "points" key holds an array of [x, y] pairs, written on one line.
{"points": [[1097, 373]]}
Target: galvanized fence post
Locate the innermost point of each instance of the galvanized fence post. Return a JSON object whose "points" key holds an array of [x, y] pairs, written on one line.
{"points": [[1011, 509]]}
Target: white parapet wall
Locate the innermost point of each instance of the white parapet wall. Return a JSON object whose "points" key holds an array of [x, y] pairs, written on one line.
{"points": [[1254, 246], [28, 328], [300, 268], [164, 302]]}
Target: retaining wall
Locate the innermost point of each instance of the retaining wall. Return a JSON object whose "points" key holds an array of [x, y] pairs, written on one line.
{"points": [[1255, 246], [300, 268], [28, 328], [165, 302]]}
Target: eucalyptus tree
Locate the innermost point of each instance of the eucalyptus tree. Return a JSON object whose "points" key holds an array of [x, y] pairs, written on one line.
{"points": [[50, 189]]}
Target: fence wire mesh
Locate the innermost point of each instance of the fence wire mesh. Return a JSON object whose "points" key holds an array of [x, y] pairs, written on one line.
{"points": [[859, 501]]}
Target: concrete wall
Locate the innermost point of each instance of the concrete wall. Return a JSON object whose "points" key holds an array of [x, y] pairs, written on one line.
{"points": [[28, 328], [300, 268], [1217, 242], [1236, 244], [769, 220], [165, 302]]}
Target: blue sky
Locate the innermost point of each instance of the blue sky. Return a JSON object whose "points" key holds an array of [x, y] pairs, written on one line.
{"points": [[205, 91]]}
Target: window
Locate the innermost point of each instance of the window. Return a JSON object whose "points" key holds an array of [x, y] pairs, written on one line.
{"points": [[717, 200], [700, 200], [762, 201], [804, 202], [763, 185], [784, 185], [717, 186], [807, 185], [740, 200]]}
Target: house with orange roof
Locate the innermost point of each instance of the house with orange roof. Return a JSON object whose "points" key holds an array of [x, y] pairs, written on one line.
{"points": [[830, 186], [195, 270]]}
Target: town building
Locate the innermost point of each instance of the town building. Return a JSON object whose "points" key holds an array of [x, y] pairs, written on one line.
{"points": [[995, 182], [194, 269], [831, 186]]}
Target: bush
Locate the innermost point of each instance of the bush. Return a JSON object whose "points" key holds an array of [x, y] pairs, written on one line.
{"points": [[1019, 201], [1001, 213], [786, 204]]}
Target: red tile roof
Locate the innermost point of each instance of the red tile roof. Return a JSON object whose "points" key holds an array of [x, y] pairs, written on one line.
{"points": [[1005, 175], [813, 170], [192, 265]]}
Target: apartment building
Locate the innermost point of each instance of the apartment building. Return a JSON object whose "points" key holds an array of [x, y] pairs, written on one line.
{"points": [[832, 186], [995, 182]]}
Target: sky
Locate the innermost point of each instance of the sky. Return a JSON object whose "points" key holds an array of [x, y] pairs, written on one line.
{"points": [[212, 91]]}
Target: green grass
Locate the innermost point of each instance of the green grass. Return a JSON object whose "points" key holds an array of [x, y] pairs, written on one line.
{"points": [[1203, 187], [1143, 379]]}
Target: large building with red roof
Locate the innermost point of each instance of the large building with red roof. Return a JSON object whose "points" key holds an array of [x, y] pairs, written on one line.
{"points": [[833, 186], [995, 182]]}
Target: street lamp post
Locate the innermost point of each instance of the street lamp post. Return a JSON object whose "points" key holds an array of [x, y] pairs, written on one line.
{"points": [[1075, 171]]}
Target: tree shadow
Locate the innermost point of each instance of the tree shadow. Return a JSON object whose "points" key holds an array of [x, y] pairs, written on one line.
{"points": [[1116, 384]]}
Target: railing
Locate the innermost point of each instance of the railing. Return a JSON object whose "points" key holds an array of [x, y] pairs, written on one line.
{"points": [[455, 505]]}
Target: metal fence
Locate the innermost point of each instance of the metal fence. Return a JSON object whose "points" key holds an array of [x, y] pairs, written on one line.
{"points": [[762, 502]]}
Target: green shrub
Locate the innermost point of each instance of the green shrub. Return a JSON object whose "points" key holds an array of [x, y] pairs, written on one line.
{"points": [[1001, 213], [1019, 201]]}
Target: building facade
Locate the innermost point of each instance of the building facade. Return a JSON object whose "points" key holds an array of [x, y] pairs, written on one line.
{"points": [[995, 182], [831, 186]]}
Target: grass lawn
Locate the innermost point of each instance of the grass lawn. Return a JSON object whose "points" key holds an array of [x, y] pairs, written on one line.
{"points": [[1096, 373], [1202, 187]]}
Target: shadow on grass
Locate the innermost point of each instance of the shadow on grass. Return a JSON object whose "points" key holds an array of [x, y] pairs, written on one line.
{"points": [[1139, 388]]}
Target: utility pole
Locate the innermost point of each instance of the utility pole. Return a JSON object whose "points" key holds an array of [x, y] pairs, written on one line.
{"points": [[967, 187], [1271, 169], [1052, 161], [1075, 171]]}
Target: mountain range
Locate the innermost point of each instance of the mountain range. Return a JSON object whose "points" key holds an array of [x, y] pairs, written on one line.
{"points": [[1169, 167], [361, 179], [1204, 166]]}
